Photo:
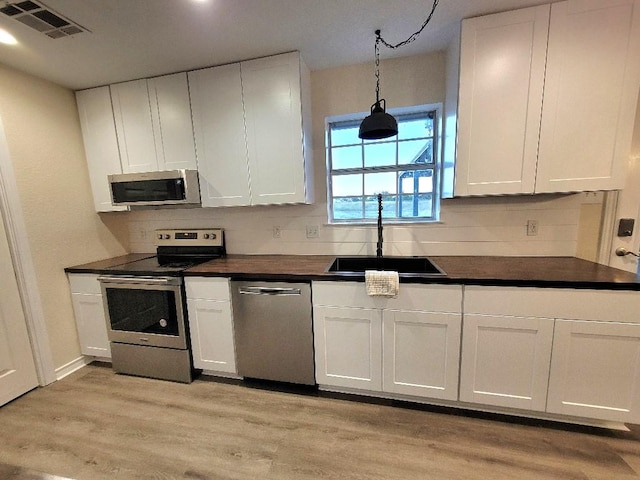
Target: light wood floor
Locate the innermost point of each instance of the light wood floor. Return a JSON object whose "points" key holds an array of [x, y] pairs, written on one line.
{"points": [[96, 425]]}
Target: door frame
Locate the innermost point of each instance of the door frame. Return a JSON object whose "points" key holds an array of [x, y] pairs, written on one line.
{"points": [[11, 215]]}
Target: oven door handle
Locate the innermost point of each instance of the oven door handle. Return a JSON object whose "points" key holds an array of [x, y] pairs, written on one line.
{"points": [[131, 280]]}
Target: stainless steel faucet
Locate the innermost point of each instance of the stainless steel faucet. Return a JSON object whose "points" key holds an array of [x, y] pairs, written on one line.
{"points": [[379, 245]]}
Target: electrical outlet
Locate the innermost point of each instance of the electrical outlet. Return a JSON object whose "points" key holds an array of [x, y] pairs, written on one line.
{"points": [[532, 228], [313, 231], [276, 232]]}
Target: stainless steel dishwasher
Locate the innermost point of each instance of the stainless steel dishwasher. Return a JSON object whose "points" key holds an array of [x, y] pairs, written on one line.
{"points": [[274, 331]]}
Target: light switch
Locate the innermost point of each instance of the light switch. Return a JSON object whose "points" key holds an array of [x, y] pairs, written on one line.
{"points": [[625, 227]]}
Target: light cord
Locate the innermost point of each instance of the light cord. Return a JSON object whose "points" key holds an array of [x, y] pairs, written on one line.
{"points": [[415, 35]]}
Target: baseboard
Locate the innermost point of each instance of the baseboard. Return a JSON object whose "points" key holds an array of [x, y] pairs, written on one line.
{"points": [[73, 366]]}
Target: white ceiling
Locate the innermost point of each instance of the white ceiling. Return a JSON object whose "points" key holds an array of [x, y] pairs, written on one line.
{"points": [[132, 39]]}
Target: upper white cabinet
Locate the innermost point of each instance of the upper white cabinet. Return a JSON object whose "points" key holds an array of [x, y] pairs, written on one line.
{"points": [[100, 143], [547, 98], [218, 122], [591, 88], [153, 123], [501, 81], [252, 127]]}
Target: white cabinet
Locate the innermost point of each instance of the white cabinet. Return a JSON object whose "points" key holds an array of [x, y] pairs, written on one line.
{"points": [[218, 122], [153, 123], [100, 143], [408, 345], [591, 87], [505, 361], [547, 98], [252, 123], [502, 63], [348, 347], [211, 324], [595, 371], [421, 353], [88, 308]]}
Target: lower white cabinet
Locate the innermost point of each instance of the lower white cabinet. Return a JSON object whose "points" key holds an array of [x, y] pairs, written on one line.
{"points": [[348, 346], [88, 308], [595, 370], [421, 353], [408, 345], [505, 361], [211, 324]]}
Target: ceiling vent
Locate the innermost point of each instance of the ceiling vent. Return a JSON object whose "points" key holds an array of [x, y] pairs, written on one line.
{"points": [[41, 18]]}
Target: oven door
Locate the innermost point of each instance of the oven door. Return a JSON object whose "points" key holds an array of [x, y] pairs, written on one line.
{"points": [[144, 310]]}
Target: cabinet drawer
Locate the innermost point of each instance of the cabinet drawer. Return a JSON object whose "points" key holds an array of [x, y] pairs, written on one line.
{"points": [[427, 298], [208, 288], [84, 283], [567, 303]]}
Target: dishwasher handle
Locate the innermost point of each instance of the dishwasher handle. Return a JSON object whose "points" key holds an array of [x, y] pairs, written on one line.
{"points": [[275, 291]]}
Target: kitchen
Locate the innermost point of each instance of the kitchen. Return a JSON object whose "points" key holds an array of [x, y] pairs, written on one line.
{"points": [[57, 204]]}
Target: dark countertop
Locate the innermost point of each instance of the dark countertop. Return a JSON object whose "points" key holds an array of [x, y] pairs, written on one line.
{"points": [[568, 272], [101, 265]]}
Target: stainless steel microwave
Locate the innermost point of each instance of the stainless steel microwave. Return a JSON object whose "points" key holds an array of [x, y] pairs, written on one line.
{"points": [[169, 187]]}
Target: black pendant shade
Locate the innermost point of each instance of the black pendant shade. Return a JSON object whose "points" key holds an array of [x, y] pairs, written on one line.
{"points": [[379, 124]]}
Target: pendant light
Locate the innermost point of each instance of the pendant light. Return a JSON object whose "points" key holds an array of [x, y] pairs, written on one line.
{"points": [[379, 124]]}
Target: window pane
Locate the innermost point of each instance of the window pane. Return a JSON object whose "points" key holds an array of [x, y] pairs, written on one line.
{"points": [[388, 206], [416, 181], [415, 128], [347, 208], [346, 185], [375, 183], [415, 151], [416, 205], [346, 157], [380, 154], [345, 136]]}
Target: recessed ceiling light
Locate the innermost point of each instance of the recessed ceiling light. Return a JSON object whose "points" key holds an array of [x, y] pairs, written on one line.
{"points": [[7, 38]]}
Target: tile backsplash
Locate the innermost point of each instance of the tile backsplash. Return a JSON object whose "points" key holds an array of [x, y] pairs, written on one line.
{"points": [[469, 226]]}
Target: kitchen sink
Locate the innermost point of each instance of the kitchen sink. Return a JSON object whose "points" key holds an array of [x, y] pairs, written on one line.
{"points": [[409, 266]]}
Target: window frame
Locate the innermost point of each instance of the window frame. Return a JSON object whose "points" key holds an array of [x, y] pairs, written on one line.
{"points": [[436, 165]]}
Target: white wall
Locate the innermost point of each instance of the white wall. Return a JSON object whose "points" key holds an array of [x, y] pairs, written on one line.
{"points": [[45, 148], [483, 226]]}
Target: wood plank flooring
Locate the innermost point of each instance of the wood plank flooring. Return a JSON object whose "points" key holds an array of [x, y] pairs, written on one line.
{"points": [[97, 425]]}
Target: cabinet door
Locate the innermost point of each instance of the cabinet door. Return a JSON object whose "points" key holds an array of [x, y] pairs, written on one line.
{"points": [[89, 311], [100, 143], [211, 328], [595, 371], [171, 115], [348, 347], [218, 122], [505, 361], [501, 82], [132, 112], [273, 114], [91, 324], [421, 353], [590, 95]]}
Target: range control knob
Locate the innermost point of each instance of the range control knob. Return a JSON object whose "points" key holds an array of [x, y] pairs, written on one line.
{"points": [[167, 236], [206, 236], [213, 236], [159, 236]]}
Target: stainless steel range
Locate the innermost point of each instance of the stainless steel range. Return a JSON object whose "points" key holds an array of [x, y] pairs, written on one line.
{"points": [[146, 309]]}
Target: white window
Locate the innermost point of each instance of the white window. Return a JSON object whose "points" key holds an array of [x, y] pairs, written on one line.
{"points": [[403, 168]]}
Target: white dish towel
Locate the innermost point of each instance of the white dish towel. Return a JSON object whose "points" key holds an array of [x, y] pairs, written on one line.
{"points": [[382, 284]]}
